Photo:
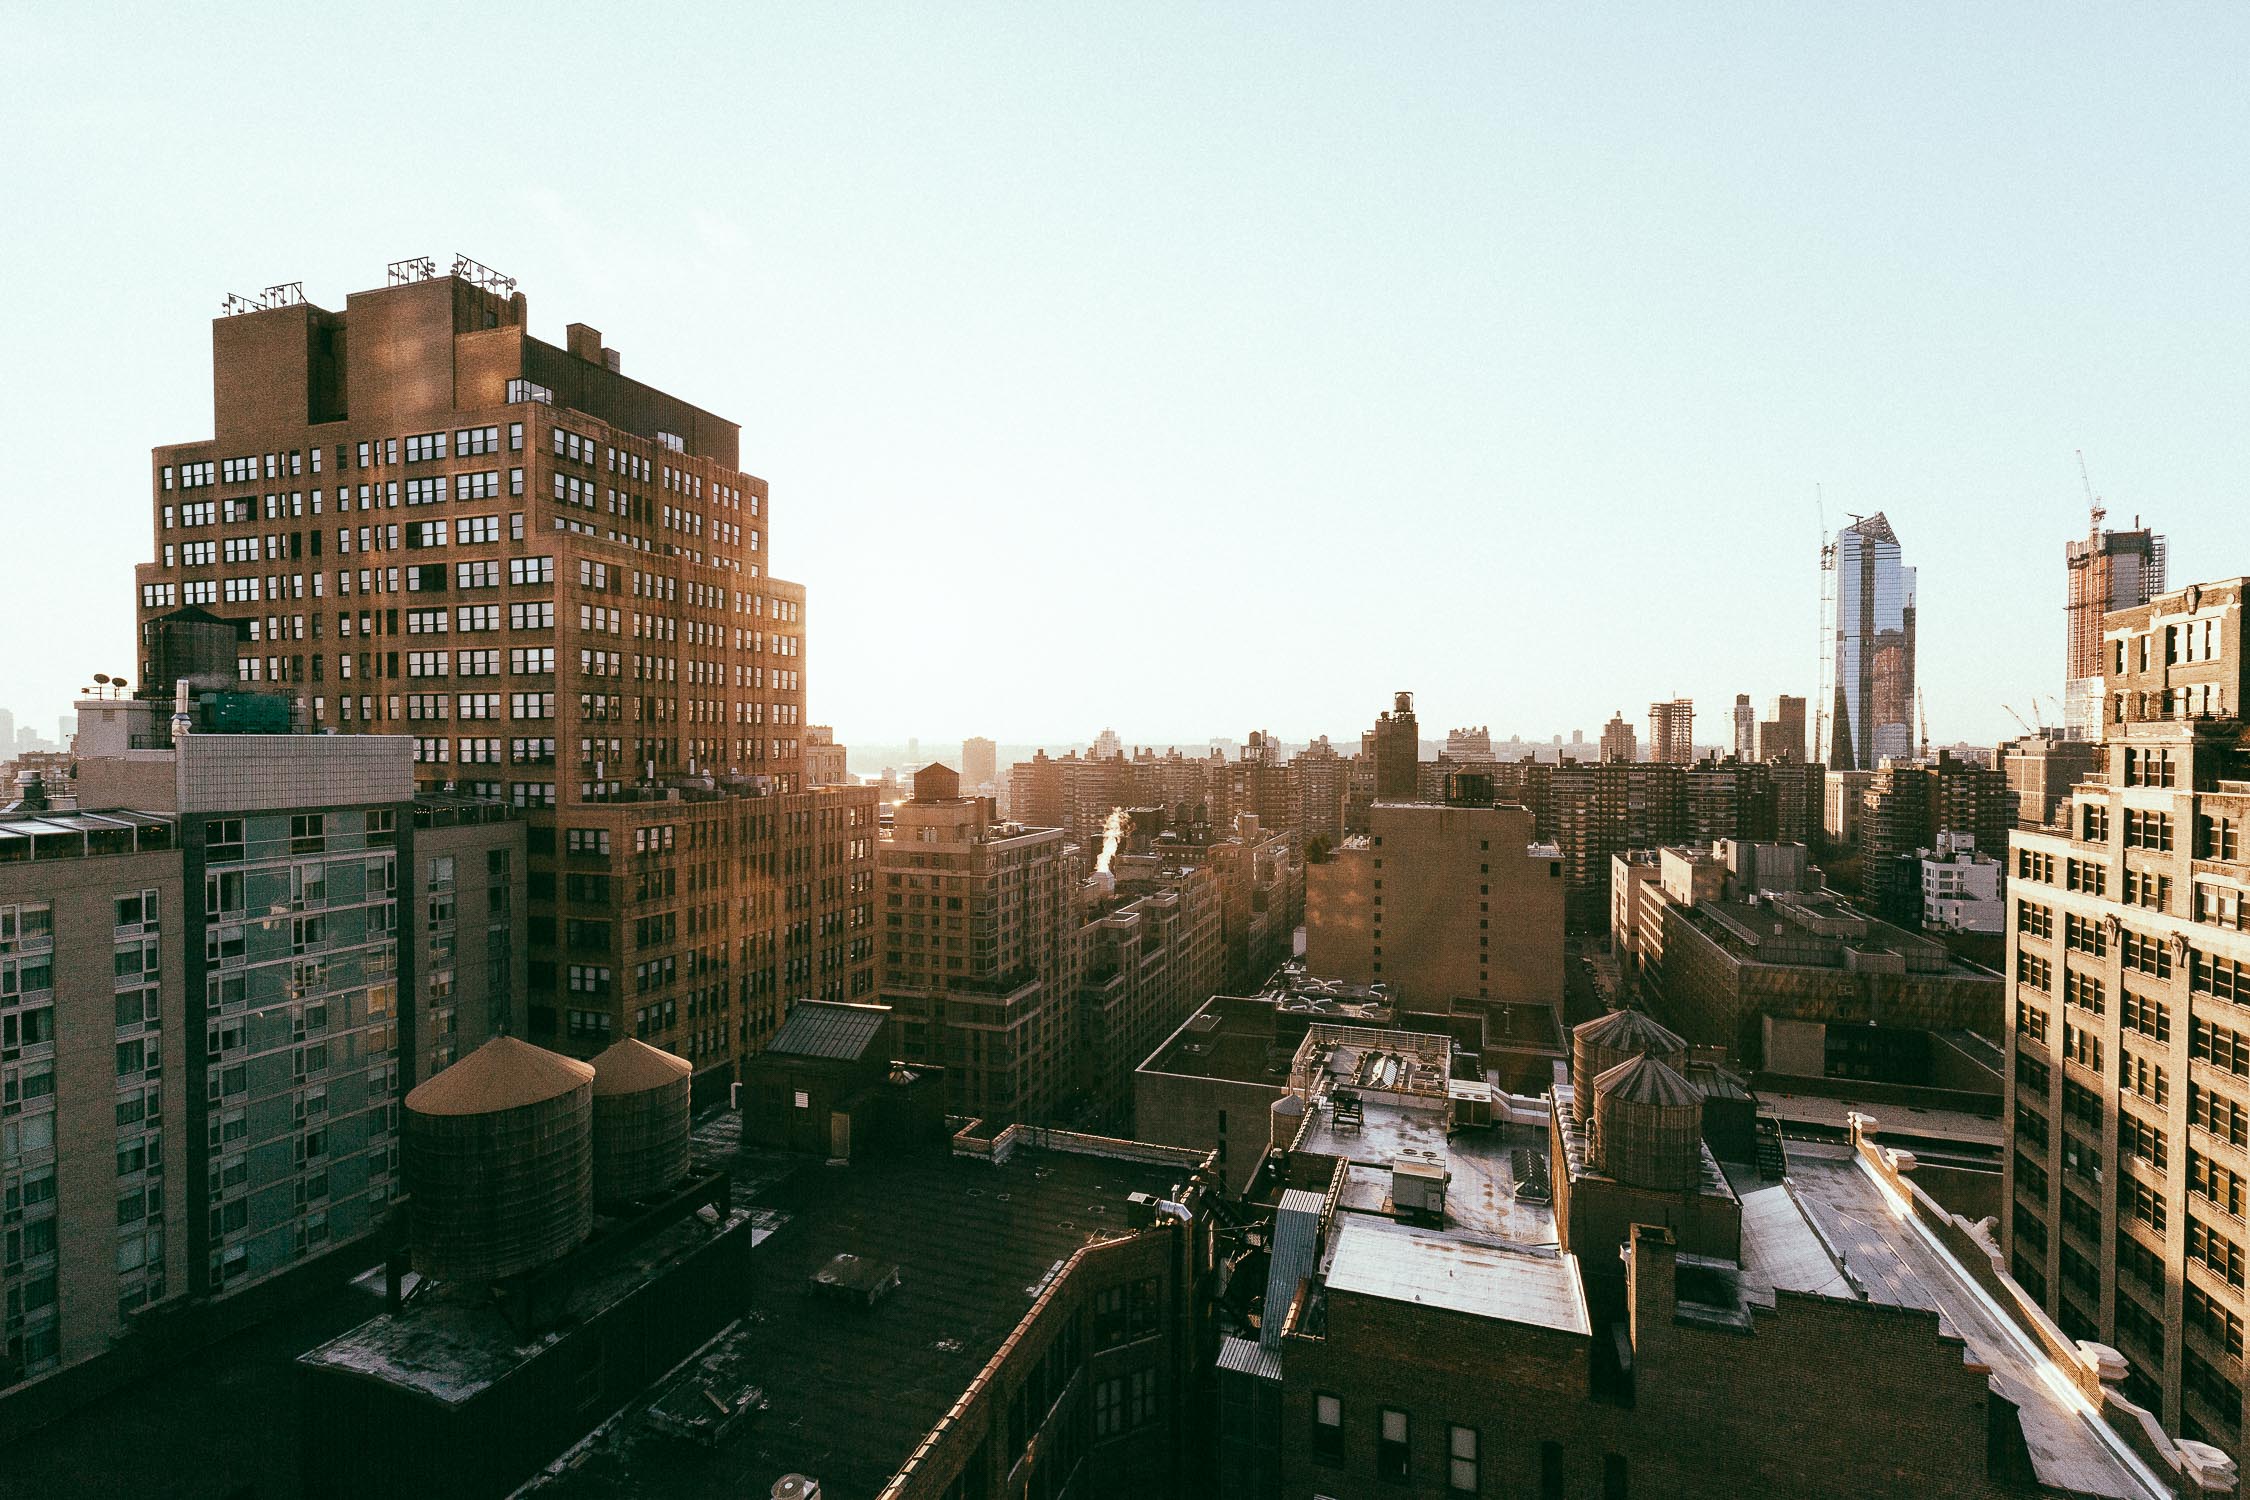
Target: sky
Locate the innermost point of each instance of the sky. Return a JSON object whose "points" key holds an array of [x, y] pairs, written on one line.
{"points": [[1194, 369]]}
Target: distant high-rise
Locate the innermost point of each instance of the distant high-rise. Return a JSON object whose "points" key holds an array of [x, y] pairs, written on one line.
{"points": [[1872, 650], [2107, 570], [1782, 737], [824, 759], [1618, 739], [1322, 780], [1745, 728], [980, 764], [1469, 744], [7, 731], [1107, 746], [1397, 749], [1671, 731]]}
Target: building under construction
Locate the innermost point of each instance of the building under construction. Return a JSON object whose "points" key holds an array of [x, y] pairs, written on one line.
{"points": [[2107, 570]]}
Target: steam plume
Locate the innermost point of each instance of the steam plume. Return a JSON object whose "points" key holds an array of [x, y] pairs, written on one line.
{"points": [[1113, 834]]}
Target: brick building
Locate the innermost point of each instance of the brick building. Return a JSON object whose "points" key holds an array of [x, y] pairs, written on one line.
{"points": [[980, 958], [2129, 970], [1443, 904], [420, 520]]}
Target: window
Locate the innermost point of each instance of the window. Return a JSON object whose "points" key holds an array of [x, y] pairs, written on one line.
{"points": [[531, 570], [1144, 1398], [1613, 1476], [2214, 1250], [2222, 978], [2141, 1200], [1550, 1470], [1109, 1408], [2148, 830], [2145, 953], [1392, 1458], [422, 447], [2136, 1137], [1328, 1428], [1461, 1454]]}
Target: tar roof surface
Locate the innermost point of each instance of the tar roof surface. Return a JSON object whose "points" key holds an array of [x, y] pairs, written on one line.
{"points": [[820, 1028], [850, 1391]]}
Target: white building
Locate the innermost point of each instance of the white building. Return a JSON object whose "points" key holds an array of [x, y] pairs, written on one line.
{"points": [[1960, 887]]}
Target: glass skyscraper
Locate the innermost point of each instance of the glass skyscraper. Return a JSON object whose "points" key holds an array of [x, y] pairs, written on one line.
{"points": [[1873, 709]]}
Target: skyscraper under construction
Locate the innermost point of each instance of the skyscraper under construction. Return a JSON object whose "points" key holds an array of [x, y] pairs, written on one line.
{"points": [[2107, 570]]}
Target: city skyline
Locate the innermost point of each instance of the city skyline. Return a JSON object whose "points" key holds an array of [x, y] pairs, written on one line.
{"points": [[1529, 378]]}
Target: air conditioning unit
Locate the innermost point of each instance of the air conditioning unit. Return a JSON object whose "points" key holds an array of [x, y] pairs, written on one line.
{"points": [[1418, 1189]]}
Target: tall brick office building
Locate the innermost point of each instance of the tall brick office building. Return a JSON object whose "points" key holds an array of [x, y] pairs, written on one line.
{"points": [[421, 520]]}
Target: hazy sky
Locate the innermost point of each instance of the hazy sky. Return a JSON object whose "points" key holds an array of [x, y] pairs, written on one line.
{"points": [[1196, 369]]}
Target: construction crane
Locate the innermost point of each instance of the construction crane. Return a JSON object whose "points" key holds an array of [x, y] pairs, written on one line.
{"points": [[1922, 712], [2027, 729], [1824, 695], [2093, 502]]}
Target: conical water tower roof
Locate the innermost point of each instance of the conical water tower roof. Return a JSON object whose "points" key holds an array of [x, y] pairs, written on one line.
{"points": [[504, 1073], [632, 1065], [1647, 1080], [1630, 1031]]}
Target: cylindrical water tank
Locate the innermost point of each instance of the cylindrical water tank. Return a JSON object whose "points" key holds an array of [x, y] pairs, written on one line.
{"points": [[1648, 1125], [640, 1121], [1285, 1116], [1603, 1043], [499, 1162]]}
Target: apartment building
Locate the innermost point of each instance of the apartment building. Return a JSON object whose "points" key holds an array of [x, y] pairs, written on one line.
{"points": [[980, 765], [418, 519], [1322, 782], [980, 962], [224, 969], [2128, 1080], [824, 758]]}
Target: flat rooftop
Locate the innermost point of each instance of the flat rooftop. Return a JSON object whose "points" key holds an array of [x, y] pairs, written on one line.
{"points": [[850, 1390], [1891, 1260], [1231, 1037], [1918, 1122], [1431, 1268], [451, 1342], [1483, 1190], [1814, 930]]}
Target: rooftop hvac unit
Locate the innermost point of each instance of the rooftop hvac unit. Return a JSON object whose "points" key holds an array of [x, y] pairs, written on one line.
{"points": [[796, 1487], [1418, 1189]]}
